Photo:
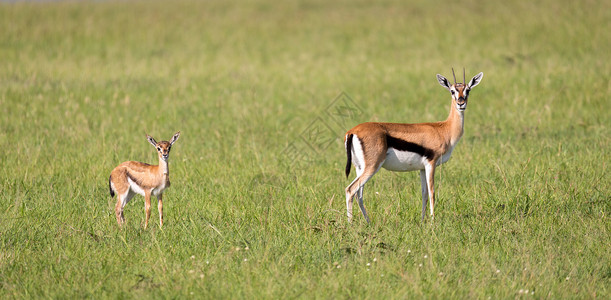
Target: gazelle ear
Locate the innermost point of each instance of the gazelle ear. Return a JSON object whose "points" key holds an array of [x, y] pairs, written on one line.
{"points": [[151, 140], [443, 81], [475, 80], [174, 138]]}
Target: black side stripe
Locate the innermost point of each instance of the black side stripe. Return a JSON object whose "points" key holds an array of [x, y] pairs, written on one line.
{"points": [[401, 145], [132, 178]]}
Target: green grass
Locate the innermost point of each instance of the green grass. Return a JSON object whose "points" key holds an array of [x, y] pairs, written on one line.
{"points": [[522, 205]]}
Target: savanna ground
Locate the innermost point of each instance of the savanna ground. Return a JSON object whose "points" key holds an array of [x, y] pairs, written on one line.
{"points": [[256, 208]]}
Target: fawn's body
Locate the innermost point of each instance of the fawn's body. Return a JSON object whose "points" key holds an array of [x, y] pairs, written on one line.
{"points": [[133, 177]]}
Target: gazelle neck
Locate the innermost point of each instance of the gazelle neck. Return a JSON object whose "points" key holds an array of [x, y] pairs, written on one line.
{"points": [[164, 167], [456, 123]]}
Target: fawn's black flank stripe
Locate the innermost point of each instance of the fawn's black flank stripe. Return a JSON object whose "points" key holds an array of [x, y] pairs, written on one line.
{"points": [[133, 178], [401, 145]]}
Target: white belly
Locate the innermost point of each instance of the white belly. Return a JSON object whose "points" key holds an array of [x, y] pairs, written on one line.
{"points": [[135, 187], [403, 161]]}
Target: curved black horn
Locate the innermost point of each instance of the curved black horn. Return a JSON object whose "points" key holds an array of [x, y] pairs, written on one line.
{"points": [[454, 76]]}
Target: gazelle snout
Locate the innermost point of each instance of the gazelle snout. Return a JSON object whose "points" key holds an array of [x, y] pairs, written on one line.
{"points": [[461, 104], [164, 151]]}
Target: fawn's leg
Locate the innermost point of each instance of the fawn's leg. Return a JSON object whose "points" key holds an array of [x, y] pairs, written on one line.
{"points": [[160, 209]]}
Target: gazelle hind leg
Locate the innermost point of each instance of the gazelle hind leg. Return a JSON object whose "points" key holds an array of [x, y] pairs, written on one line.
{"points": [[349, 197], [122, 199], [357, 187], [359, 172], [361, 204], [364, 172], [119, 211], [357, 160]]}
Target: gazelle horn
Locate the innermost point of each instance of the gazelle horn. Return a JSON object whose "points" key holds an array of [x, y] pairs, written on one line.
{"points": [[454, 76]]}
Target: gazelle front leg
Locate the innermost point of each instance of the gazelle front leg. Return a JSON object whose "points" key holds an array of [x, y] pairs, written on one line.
{"points": [[147, 207], [429, 169], [160, 208], [425, 191]]}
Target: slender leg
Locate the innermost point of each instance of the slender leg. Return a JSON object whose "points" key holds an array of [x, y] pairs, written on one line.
{"points": [[119, 210], [359, 193], [147, 207], [361, 204], [430, 177], [425, 193], [364, 171], [122, 199], [349, 196], [160, 208], [355, 187]]}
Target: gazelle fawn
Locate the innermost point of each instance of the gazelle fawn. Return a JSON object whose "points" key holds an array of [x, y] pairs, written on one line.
{"points": [[401, 147], [133, 177]]}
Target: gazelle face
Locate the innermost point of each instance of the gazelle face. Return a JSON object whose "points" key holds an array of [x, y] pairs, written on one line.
{"points": [[163, 147], [163, 150], [460, 91]]}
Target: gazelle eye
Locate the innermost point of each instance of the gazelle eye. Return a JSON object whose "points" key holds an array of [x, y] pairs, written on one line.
{"points": [[452, 91], [158, 149]]}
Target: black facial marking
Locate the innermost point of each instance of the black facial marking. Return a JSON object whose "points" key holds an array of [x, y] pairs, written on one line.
{"points": [[402, 145]]}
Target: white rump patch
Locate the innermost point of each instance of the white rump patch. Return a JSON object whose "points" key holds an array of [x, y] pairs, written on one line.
{"points": [[358, 157]]}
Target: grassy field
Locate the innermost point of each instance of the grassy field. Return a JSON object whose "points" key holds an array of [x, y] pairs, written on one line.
{"points": [[256, 208]]}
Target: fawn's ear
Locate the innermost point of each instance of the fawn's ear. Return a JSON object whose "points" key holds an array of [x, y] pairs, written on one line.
{"points": [[443, 81], [174, 138], [151, 140]]}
